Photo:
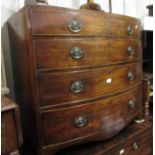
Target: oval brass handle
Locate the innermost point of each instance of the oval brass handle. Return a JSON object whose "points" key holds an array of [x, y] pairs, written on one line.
{"points": [[74, 26], [135, 146], [130, 30], [81, 121], [130, 76], [131, 103], [130, 50], [76, 53], [77, 86]]}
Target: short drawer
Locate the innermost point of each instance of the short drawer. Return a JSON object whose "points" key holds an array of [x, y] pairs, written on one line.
{"points": [[75, 53], [121, 26], [66, 22], [103, 117], [70, 87]]}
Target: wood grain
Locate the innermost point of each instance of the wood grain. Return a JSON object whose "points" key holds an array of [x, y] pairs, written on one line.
{"points": [[50, 54], [55, 87], [42, 22], [118, 27], [112, 114], [140, 134]]}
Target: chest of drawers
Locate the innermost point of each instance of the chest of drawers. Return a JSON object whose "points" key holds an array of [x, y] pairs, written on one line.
{"points": [[77, 74]]}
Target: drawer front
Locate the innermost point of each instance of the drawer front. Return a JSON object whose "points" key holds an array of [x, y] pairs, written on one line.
{"points": [[139, 144], [75, 86], [63, 22], [103, 117], [124, 27], [73, 53]]}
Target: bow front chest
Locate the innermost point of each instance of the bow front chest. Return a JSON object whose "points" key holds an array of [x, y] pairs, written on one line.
{"points": [[77, 74]]}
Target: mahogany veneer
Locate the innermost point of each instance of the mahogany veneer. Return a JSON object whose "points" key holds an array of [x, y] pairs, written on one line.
{"points": [[94, 83], [107, 51], [77, 74], [136, 139], [101, 115]]}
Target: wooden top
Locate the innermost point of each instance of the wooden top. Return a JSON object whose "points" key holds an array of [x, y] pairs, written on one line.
{"points": [[7, 104]]}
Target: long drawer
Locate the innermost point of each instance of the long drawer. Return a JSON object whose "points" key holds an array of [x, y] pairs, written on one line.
{"points": [[136, 139], [103, 117], [75, 86], [63, 22], [79, 52]]}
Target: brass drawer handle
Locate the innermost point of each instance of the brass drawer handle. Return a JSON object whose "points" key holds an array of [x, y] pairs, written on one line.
{"points": [[76, 53], [77, 86], [131, 103], [130, 30], [130, 50], [130, 76], [135, 146], [74, 26], [81, 121]]}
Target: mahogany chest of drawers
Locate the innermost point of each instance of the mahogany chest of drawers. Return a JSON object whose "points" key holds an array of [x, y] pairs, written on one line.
{"points": [[11, 135], [77, 74]]}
